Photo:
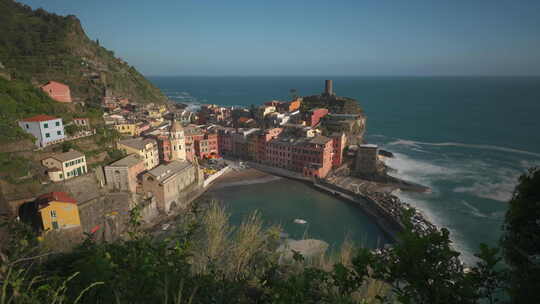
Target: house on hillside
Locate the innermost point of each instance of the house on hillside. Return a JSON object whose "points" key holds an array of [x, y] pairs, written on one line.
{"points": [[46, 129], [82, 122], [63, 166], [51, 211], [57, 91]]}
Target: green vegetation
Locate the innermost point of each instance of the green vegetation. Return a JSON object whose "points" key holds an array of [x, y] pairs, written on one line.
{"points": [[13, 167], [205, 260], [334, 104], [19, 99], [38, 46], [521, 239]]}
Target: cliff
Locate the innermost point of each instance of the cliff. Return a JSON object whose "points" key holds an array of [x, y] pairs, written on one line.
{"points": [[38, 46]]}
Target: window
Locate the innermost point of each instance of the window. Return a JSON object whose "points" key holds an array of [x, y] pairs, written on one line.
{"points": [[53, 213], [57, 123], [45, 125], [55, 225], [61, 175], [59, 132], [47, 135], [27, 126]]}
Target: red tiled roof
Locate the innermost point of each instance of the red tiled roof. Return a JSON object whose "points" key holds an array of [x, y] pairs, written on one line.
{"points": [[41, 117], [57, 196], [53, 82]]}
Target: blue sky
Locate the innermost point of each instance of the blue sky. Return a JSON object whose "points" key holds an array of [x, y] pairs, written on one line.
{"points": [[314, 37]]}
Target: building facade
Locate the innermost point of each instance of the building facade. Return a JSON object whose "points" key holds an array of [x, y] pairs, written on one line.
{"points": [[172, 184], [366, 163], [177, 141], [339, 140], [122, 174], [312, 157], [46, 129], [51, 211], [146, 148], [64, 166], [57, 91], [82, 123]]}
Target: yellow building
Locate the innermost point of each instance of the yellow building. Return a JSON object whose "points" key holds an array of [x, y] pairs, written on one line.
{"points": [[146, 148], [51, 211], [128, 128]]}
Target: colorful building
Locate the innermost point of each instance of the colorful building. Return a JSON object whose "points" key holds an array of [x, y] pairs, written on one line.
{"points": [[64, 166], [46, 129], [339, 140], [225, 146], [146, 148], [132, 128], [310, 156], [206, 146], [313, 117], [51, 211], [57, 91], [122, 174]]}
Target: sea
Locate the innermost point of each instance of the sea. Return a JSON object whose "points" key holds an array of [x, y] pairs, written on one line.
{"points": [[467, 138]]}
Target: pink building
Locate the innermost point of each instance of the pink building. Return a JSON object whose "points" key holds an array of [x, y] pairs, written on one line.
{"points": [[310, 156], [57, 91], [263, 140], [313, 117], [338, 144], [225, 142]]}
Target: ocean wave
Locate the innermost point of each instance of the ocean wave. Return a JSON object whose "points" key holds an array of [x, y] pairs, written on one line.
{"points": [[414, 143], [473, 210], [418, 171], [498, 191]]}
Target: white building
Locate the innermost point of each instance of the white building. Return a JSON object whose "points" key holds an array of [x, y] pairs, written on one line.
{"points": [[62, 166], [46, 129]]}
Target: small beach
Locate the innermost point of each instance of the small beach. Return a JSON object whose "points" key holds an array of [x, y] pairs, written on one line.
{"points": [[239, 177]]}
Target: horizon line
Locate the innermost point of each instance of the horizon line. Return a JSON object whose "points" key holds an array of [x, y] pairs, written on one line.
{"points": [[334, 75]]}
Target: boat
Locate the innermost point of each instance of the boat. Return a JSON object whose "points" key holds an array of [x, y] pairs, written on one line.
{"points": [[300, 221]]}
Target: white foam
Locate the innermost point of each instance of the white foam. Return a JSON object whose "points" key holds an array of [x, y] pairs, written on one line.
{"points": [[454, 144], [419, 171], [498, 185], [474, 210]]}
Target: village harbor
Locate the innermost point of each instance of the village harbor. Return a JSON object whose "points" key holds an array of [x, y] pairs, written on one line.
{"points": [[168, 156]]}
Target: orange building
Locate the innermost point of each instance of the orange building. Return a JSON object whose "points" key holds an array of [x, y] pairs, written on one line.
{"points": [[57, 91]]}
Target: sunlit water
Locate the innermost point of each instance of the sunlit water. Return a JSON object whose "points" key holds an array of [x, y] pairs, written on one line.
{"points": [[469, 139]]}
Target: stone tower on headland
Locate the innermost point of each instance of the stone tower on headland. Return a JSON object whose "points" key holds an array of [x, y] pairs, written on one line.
{"points": [[328, 88]]}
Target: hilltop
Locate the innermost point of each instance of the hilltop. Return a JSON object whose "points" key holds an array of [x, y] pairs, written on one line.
{"points": [[38, 46]]}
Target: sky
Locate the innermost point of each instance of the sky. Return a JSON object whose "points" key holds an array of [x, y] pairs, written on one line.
{"points": [[315, 37]]}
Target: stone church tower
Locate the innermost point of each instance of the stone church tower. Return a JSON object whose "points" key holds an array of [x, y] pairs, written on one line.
{"points": [[178, 141]]}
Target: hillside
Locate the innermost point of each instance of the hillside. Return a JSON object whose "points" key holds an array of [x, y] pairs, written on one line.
{"points": [[335, 104], [38, 46]]}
